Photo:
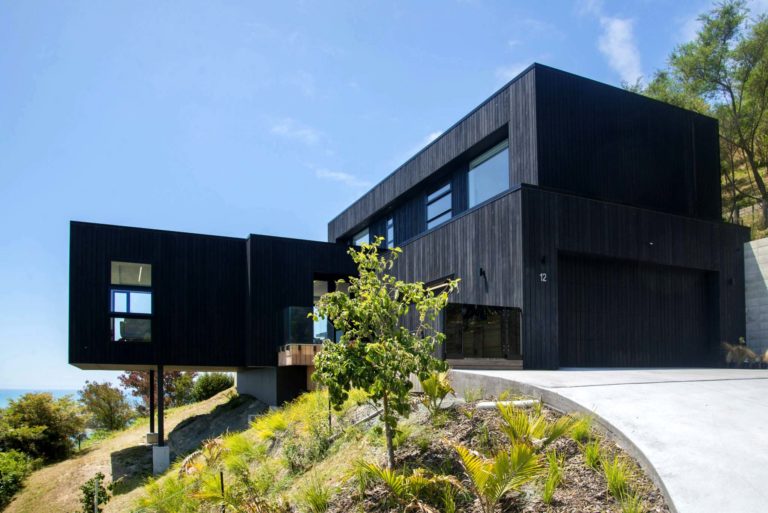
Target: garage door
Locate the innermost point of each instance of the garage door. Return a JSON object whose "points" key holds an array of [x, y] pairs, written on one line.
{"points": [[615, 313]]}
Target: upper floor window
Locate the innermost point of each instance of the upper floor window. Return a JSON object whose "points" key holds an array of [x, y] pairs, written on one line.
{"points": [[439, 206], [361, 237], [130, 302], [390, 232], [489, 174]]}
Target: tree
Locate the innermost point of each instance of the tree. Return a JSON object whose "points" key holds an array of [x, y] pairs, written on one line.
{"points": [[177, 386], [211, 383], [40, 426], [724, 71], [106, 405], [93, 492], [14, 469], [388, 335]]}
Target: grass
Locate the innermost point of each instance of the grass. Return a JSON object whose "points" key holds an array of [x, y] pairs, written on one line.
{"points": [[592, 455], [632, 503], [581, 431], [617, 475], [555, 465], [315, 497]]}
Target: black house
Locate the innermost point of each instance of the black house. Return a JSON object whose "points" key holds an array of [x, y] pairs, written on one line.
{"points": [[583, 220]]}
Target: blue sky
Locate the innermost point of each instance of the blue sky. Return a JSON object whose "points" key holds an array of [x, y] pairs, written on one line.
{"points": [[233, 118]]}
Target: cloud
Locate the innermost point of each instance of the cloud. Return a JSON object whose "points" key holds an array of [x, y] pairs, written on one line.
{"points": [[341, 177], [617, 43], [292, 129]]}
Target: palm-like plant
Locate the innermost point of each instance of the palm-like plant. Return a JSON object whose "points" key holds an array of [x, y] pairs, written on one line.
{"points": [[532, 428], [507, 471], [409, 490]]}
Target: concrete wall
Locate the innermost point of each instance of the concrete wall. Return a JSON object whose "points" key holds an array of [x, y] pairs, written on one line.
{"points": [[756, 290]]}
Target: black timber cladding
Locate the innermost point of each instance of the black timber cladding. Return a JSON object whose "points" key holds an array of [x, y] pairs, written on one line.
{"points": [[198, 294], [606, 143], [560, 224], [281, 271], [218, 302]]}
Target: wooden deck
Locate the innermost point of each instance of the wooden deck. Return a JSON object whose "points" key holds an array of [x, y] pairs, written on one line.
{"points": [[485, 363]]}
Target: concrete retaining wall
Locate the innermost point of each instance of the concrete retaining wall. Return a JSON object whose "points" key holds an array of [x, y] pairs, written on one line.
{"points": [[756, 290]]}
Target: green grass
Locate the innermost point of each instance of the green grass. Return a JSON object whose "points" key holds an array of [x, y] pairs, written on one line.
{"points": [[617, 475], [592, 454], [554, 477], [582, 429]]}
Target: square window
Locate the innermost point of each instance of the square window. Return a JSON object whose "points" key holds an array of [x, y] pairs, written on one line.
{"points": [[127, 329], [133, 274]]}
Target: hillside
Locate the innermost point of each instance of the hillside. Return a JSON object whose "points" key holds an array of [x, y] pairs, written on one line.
{"points": [[289, 461], [124, 458]]}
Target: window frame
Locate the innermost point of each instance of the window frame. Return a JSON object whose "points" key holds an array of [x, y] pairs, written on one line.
{"points": [[357, 235], [477, 163], [113, 315], [390, 225], [445, 190]]}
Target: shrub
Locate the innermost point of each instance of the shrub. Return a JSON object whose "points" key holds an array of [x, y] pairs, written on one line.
{"points": [[632, 503], [40, 426], [582, 429], [209, 384], [592, 455], [532, 429], [436, 387], [554, 476], [269, 425], [94, 491], [106, 405], [315, 497], [301, 452], [617, 474], [412, 490], [14, 468], [493, 478]]}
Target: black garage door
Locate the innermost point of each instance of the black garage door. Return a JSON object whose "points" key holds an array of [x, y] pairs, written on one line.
{"points": [[615, 313]]}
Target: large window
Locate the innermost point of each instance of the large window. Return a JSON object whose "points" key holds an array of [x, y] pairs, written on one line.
{"points": [[390, 232], [130, 302], [477, 331], [489, 174], [439, 206], [361, 237]]}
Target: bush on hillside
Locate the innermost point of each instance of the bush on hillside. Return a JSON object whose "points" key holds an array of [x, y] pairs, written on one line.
{"points": [[41, 426], [106, 406], [210, 384], [14, 468]]}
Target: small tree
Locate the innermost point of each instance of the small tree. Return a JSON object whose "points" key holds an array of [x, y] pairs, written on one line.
{"points": [[106, 405], [93, 492], [388, 335], [211, 383], [40, 426], [177, 386]]}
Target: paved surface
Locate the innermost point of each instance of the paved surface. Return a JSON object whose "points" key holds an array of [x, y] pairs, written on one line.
{"points": [[704, 431]]}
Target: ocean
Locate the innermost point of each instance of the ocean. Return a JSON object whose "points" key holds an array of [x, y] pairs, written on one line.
{"points": [[6, 394]]}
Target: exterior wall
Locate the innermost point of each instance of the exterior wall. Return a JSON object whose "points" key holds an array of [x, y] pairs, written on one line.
{"points": [[487, 237], [605, 143], [198, 295], [272, 385], [756, 283], [553, 224], [280, 272]]}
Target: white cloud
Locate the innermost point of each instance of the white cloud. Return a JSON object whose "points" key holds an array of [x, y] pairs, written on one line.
{"points": [[617, 43], [292, 129], [339, 176]]}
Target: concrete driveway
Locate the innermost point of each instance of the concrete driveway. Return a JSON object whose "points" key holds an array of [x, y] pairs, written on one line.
{"points": [[702, 432]]}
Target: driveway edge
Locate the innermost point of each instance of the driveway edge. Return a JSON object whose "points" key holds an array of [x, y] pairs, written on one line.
{"points": [[467, 379]]}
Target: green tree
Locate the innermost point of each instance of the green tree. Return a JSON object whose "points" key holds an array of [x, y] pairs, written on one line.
{"points": [[14, 468], [93, 492], [40, 426], [106, 405], [724, 71], [211, 383], [388, 336]]}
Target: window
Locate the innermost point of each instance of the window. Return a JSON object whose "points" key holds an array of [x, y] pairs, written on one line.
{"points": [[320, 326], [477, 331], [130, 302], [439, 206], [361, 237], [390, 232], [489, 174]]}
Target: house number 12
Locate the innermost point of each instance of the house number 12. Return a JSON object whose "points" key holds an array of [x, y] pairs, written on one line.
{"points": [[543, 276]]}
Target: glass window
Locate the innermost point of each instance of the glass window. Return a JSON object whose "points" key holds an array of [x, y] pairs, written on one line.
{"points": [[477, 331], [320, 326], [439, 206], [390, 232], [489, 174], [129, 329], [361, 237], [127, 273], [131, 301]]}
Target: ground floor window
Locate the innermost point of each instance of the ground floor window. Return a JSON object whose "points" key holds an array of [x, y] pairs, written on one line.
{"points": [[478, 331]]}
